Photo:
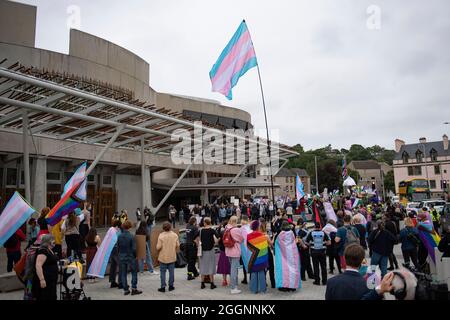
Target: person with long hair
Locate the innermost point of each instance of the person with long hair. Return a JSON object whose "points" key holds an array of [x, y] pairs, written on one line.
{"points": [[70, 229], [233, 253], [143, 250], [207, 240], [409, 238], [258, 245], [46, 266], [223, 266], [42, 222], [93, 241], [271, 268], [382, 243]]}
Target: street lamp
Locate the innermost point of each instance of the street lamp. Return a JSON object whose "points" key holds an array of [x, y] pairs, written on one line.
{"points": [[426, 168]]}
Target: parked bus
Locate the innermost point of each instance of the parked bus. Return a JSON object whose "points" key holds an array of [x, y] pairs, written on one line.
{"points": [[413, 190]]}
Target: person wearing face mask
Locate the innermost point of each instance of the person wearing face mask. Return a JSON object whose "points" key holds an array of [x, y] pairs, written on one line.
{"points": [[46, 275]]}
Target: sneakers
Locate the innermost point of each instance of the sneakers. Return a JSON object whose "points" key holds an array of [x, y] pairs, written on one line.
{"points": [[317, 283], [171, 288], [126, 292], [190, 277], [235, 291], [154, 273], [114, 285], [135, 292], [213, 286], [162, 289]]}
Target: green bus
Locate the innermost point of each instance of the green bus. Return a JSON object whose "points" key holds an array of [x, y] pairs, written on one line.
{"points": [[413, 190]]}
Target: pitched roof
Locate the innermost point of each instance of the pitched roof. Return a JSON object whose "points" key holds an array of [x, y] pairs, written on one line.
{"points": [[285, 172], [411, 149], [364, 165]]}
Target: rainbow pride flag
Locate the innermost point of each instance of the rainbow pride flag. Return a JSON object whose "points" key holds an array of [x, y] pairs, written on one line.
{"points": [[429, 237], [235, 60], [101, 258], [287, 261], [65, 205], [258, 246], [14, 215], [76, 178]]}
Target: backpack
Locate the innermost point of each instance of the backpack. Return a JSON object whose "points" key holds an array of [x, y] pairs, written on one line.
{"points": [[413, 238], [228, 241], [11, 242], [351, 237], [25, 267]]}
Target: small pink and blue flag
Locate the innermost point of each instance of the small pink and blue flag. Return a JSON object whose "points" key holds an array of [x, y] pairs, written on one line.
{"points": [[14, 215], [101, 258], [235, 60]]}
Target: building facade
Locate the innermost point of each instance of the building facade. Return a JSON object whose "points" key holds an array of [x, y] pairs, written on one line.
{"points": [[425, 160], [370, 171], [286, 179]]}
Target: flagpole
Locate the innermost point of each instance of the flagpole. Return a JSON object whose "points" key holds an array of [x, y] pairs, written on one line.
{"points": [[267, 134]]}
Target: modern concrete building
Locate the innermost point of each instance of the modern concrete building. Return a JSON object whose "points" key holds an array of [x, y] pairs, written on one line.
{"points": [[96, 104], [285, 178], [370, 171], [426, 160]]}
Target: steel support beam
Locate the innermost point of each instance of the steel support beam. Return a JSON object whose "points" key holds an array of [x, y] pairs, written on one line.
{"points": [[278, 170], [26, 155], [239, 173], [104, 149]]}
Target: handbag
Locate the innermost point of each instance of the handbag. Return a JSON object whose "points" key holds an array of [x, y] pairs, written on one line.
{"points": [[199, 245], [181, 260]]}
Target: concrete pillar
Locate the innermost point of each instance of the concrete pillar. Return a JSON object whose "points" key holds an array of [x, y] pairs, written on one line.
{"points": [[146, 189], [39, 196], [205, 197]]}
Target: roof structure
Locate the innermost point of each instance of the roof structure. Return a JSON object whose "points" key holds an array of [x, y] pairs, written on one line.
{"points": [[69, 108], [365, 164], [292, 172], [411, 149]]}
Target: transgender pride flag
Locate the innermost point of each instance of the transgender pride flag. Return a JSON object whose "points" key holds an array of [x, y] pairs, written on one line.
{"points": [[15, 214], [299, 189], [234, 61], [75, 180], [100, 261]]}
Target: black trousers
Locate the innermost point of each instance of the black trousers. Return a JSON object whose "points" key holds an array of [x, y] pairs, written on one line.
{"points": [[422, 255], [333, 256], [191, 256], [411, 255], [243, 269], [115, 268], [271, 270], [319, 258], [13, 258], [305, 261], [73, 243], [393, 261]]}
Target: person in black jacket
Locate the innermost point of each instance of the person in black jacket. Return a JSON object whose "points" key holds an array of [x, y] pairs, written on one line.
{"points": [[351, 285], [444, 244], [382, 244], [392, 228], [361, 230]]}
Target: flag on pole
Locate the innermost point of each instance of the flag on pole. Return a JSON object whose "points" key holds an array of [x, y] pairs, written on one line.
{"points": [[14, 215], [65, 205], [235, 60], [101, 258], [299, 188], [344, 168], [78, 176]]}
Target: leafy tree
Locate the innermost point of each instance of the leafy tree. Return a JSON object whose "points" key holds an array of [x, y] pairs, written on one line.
{"points": [[389, 184]]}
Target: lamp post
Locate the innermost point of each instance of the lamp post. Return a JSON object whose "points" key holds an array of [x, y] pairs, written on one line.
{"points": [[426, 168]]}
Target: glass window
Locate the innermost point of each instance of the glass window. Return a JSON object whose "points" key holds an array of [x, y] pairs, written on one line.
{"points": [[405, 157], [54, 176], [11, 177], [287, 179], [107, 180], [432, 184], [410, 171], [91, 178], [433, 155], [437, 170], [419, 156]]}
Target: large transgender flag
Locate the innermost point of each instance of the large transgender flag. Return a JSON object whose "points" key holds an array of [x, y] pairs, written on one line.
{"points": [[66, 204], [234, 61], [78, 176], [15, 214], [287, 261], [100, 261]]}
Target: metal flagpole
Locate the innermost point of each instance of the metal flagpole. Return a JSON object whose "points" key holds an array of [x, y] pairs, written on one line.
{"points": [[267, 134], [317, 179]]}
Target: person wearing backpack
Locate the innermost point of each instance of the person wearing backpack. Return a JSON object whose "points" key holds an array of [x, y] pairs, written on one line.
{"points": [[409, 237], [13, 251], [318, 240], [232, 239], [345, 236], [382, 242]]}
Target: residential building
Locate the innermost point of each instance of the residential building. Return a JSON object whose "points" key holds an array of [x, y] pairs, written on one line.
{"points": [[285, 178], [370, 171]]}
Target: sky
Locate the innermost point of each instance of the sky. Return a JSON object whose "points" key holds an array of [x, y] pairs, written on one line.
{"points": [[333, 72]]}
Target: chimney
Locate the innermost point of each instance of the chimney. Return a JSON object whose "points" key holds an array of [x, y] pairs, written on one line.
{"points": [[423, 140], [398, 144], [445, 140]]}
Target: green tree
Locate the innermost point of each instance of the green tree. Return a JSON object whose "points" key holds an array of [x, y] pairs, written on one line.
{"points": [[389, 183]]}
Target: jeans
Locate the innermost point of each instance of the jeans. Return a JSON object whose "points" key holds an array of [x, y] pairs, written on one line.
{"points": [[258, 282], [163, 267], [13, 258], [124, 265], [319, 258], [234, 264], [382, 261], [115, 264], [411, 254], [148, 260]]}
